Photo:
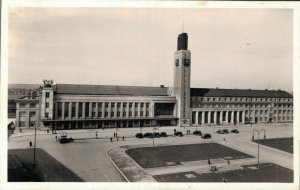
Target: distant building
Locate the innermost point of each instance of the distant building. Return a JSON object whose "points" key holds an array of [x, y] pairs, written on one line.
{"points": [[68, 106]]}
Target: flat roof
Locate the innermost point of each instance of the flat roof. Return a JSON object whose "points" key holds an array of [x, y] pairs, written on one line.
{"points": [[217, 92], [110, 90]]}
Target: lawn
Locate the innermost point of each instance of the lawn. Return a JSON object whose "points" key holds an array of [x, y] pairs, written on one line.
{"points": [[161, 156], [284, 144], [21, 169], [266, 172]]}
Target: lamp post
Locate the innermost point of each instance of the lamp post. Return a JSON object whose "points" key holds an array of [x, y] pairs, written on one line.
{"points": [[258, 132], [34, 147]]}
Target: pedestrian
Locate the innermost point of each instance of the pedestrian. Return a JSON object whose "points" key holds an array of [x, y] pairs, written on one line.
{"points": [[208, 161], [110, 139], [96, 136], [228, 161], [116, 134], [30, 144], [55, 137], [123, 138], [117, 138]]}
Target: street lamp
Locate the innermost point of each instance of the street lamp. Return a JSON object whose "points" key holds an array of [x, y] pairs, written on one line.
{"points": [[34, 147], [258, 132]]}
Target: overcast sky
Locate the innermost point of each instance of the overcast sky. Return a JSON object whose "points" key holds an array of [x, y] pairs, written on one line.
{"points": [[231, 48]]}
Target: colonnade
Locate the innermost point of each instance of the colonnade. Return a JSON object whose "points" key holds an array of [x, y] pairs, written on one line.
{"points": [[218, 117]]}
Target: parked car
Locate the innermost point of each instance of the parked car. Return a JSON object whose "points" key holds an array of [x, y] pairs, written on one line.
{"points": [[206, 136], [234, 131], [148, 135], [139, 135], [178, 133], [163, 134], [156, 135], [219, 131], [225, 131], [64, 139], [199, 133]]}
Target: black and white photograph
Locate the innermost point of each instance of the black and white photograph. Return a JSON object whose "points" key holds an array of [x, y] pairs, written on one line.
{"points": [[178, 95]]}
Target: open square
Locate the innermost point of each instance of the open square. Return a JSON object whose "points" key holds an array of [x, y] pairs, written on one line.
{"points": [[151, 157]]}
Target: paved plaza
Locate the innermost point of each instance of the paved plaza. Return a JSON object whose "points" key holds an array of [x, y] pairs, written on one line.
{"points": [[87, 156]]}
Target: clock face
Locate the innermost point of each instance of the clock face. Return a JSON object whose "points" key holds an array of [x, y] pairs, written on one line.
{"points": [[177, 62], [186, 62]]}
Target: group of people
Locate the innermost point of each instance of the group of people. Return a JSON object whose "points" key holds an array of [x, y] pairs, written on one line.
{"points": [[116, 136]]}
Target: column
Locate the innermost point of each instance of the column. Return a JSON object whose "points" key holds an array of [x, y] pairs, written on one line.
{"points": [[144, 109], [70, 110], [76, 112], [226, 117], [238, 117], [203, 117], [221, 117], [232, 117], [63, 110], [243, 117], [96, 111], [83, 110], [109, 111], [209, 115], [196, 118], [139, 109], [116, 109], [215, 117], [56, 110], [90, 110]]}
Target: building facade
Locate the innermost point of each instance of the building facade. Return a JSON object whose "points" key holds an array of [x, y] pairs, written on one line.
{"points": [[68, 106]]}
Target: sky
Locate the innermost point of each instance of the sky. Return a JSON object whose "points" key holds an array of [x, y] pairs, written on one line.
{"points": [[230, 48]]}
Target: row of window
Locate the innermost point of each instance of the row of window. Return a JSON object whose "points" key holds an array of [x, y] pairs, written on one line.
{"points": [[24, 105], [23, 114], [199, 105], [31, 124], [242, 99]]}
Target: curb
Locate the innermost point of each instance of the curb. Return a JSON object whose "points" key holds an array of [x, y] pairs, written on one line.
{"points": [[116, 167]]}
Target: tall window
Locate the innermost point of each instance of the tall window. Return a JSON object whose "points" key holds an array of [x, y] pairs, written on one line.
{"points": [[22, 114], [67, 109], [47, 94], [32, 114], [73, 109], [59, 109], [47, 105], [87, 109], [80, 107], [32, 105], [22, 105]]}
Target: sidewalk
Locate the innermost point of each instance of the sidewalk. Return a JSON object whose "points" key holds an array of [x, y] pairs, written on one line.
{"points": [[201, 166]]}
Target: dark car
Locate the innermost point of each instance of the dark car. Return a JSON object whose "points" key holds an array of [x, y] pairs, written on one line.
{"points": [[219, 131], [225, 131], [234, 131], [163, 134], [178, 133], [65, 139], [206, 136], [139, 135], [148, 135], [156, 135], [199, 133]]}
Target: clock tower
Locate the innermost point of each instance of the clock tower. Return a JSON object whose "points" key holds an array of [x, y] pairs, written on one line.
{"points": [[182, 78]]}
